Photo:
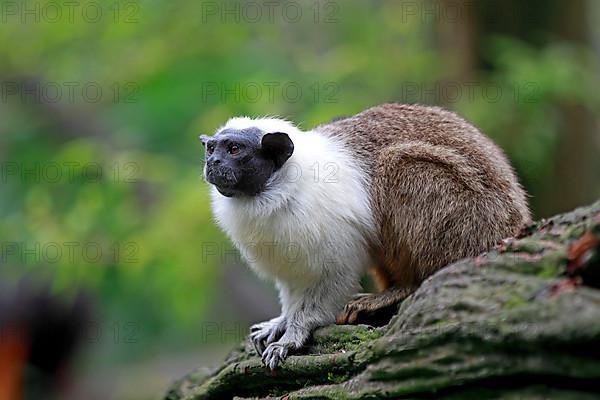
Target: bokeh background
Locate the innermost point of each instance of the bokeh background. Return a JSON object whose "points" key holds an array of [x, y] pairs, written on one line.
{"points": [[102, 102]]}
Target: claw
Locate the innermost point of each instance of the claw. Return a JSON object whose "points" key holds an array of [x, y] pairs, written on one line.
{"points": [[266, 333], [275, 354]]}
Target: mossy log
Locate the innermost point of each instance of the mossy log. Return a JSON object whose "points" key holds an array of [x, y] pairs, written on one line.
{"points": [[520, 321]]}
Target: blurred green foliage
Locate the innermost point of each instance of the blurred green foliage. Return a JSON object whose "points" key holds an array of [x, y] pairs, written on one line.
{"points": [[170, 55]]}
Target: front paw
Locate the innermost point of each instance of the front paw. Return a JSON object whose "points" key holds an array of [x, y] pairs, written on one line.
{"points": [[265, 333], [276, 353]]}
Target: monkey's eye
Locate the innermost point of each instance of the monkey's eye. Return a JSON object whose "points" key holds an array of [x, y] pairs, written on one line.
{"points": [[210, 147], [233, 149]]}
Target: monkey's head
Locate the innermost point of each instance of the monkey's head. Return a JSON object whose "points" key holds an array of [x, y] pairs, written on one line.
{"points": [[240, 159]]}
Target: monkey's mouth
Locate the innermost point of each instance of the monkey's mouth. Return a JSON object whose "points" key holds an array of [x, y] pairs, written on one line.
{"points": [[223, 179]]}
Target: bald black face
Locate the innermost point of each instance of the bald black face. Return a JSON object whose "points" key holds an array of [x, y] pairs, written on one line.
{"points": [[240, 162]]}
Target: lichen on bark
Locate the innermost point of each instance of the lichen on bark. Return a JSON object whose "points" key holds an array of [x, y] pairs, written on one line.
{"points": [[520, 321]]}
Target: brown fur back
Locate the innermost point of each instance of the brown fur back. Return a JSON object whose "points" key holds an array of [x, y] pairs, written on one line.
{"points": [[441, 190]]}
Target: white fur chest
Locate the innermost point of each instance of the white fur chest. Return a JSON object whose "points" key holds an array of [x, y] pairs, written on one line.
{"points": [[276, 246]]}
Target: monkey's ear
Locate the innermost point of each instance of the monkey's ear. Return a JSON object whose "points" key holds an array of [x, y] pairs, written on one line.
{"points": [[204, 139], [277, 146]]}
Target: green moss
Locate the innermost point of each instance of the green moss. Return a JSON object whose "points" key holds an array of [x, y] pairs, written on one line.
{"points": [[324, 392], [334, 378], [551, 265], [529, 246], [576, 232], [344, 338], [515, 301]]}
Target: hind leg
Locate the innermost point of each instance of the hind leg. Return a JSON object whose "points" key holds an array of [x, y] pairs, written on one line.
{"points": [[374, 309]]}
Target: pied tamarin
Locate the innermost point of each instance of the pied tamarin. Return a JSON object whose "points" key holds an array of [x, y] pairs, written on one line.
{"points": [[401, 189]]}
